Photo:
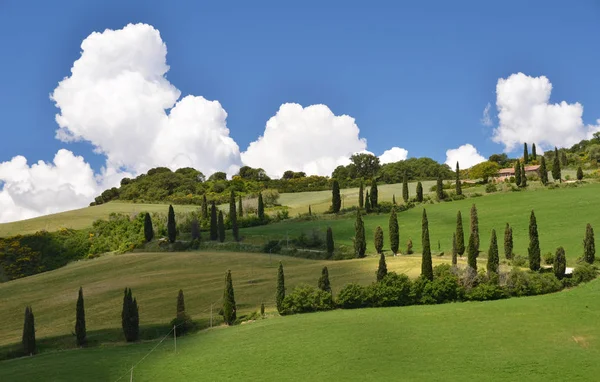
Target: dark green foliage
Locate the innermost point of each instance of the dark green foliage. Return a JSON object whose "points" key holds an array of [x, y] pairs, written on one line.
{"points": [[454, 250], [556, 167], [534, 244], [148, 231], [460, 235], [472, 252], [543, 171], [416, 168], [360, 243], [309, 211], [306, 299], [508, 242], [525, 153], [378, 239], [419, 192], [394, 199], [374, 194], [195, 229], [229, 308], [589, 245], [368, 203], [405, 187], [130, 319], [493, 260], [533, 152], [171, 225], [520, 283], [336, 199], [583, 272], [182, 320], [439, 188], [240, 211], [523, 176], [458, 184], [426, 264], [261, 207], [221, 227], [361, 197], [324, 284], [28, 340], [280, 294], [214, 231], [560, 263], [475, 227], [204, 208], [80, 331], [235, 231], [262, 309], [579, 173], [409, 247], [391, 290], [394, 232], [329, 243], [518, 173], [382, 269], [352, 296]]}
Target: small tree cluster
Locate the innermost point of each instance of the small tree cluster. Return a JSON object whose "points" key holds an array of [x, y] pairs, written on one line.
{"points": [[229, 308], [426, 263], [360, 244], [130, 319]]}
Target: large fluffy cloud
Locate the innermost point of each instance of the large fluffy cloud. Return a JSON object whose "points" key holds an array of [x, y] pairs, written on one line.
{"points": [[392, 155], [466, 156], [310, 139], [525, 115]]}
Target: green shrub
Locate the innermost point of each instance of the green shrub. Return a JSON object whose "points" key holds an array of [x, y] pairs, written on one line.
{"points": [[446, 288], [491, 187], [486, 292], [475, 195], [549, 258], [352, 296], [421, 292], [305, 298], [518, 261], [542, 283], [517, 283], [392, 290], [583, 273]]}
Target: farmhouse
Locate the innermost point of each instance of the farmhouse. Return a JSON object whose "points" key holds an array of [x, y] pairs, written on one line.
{"points": [[506, 173]]}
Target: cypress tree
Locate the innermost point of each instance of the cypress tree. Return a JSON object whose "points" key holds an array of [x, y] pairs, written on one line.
{"points": [[280, 294], [324, 284], [589, 245], [235, 232], [361, 200], [518, 173], [560, 263], [458, 185], [460, 235], [543, 171], [171, 226], [475, 227], [579, 173], [182, 320], [135, 313], [336, 199], [454, 250], [374, 194], [261, 207], [426, 265], [80, 332], [419, 192], [204, 208], [360, 244], [472, 253], [563, 158], [493, 261], [180, 303], [525, 154], [214, 233], [329, 242], [148, 231], [229, 309], [195, 228], [130, 317], [523, 176], [240, 212], [405, 187], [368, 203], [508, 242], [309, 211], [533, 152], [221, 226], [439, 187], [394, 232], [534, 244], [382, 269], [28, 340], [394, 199], [378, 239], [556, 166]]}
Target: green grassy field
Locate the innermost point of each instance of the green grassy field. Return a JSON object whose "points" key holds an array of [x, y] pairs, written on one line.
{"points": [[562, 215], [546, 338]]}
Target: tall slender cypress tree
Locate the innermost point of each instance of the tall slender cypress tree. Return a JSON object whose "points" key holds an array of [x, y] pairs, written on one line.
{"points": [[439, 187], [508, 242], [458, 184], [518, 173], [28, 340], [148, 231], [204, 208], [525, 154], [589, 245], [130, 317], [534, 244], [80, 331], [556, 166], [560, 263], [360, 244], [214, 232], [309, 211], [368, 203], [475, 227], [394, 199], [235, 231], [472, 252], [280, 294], [182, 320], [171, 226], [394, 232], [374, 194], [229, 308], [523, 176], [324, 283], [195, 229], [361, 197], [336, 199], [240, 212], [419, 192], [221, 227], [579, 173], [261, 207], [454, 250], [405, 187], [382, 269], [533, 152], [378, 239], [460, 235], [329, 242], [543, 171], [426, 264], [493, 261]]}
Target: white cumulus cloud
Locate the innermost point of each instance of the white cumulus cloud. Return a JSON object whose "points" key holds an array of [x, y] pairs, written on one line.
{"points": [[392, 155], [466, 156], [486, 120], [525, 114], [310, 139]]}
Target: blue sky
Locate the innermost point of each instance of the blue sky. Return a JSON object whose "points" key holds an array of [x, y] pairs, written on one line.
{"points": [[416, 75]]}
